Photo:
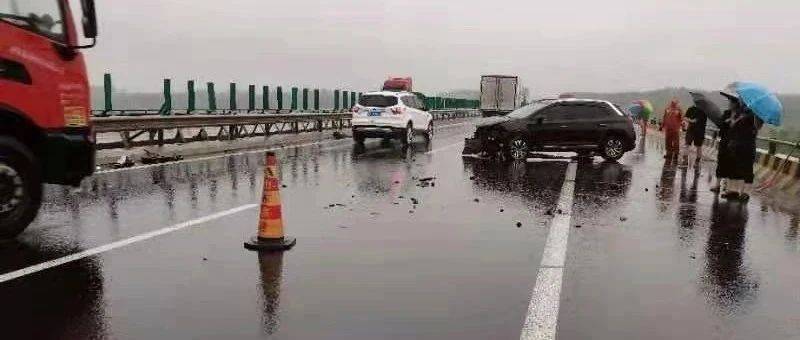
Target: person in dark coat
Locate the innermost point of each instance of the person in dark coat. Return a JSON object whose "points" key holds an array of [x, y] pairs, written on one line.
{"points": [[724, 158], [696, 130], [742, 146]]}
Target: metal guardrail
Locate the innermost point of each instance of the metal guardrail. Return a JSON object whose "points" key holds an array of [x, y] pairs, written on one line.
{"points": [[147, 130], [773, 145], [184, 112]]}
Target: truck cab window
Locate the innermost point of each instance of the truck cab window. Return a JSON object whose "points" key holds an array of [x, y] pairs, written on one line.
{"points": [[39, 16]]}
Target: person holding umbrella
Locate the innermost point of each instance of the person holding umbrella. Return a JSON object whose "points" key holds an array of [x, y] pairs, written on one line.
{"points": [[641, 110], [725, 160], [752, 105], [671, 125]]}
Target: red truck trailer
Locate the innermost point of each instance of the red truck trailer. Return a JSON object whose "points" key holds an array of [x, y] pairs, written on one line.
{"points": [[45, 132], [397, 84]]}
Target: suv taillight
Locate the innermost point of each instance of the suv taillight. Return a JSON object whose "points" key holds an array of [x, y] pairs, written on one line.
{"points": [[355, 109], [398, 110]]}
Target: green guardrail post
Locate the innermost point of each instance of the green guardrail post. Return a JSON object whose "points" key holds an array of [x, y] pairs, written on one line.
{"points": [[191, 105], [345, 98], [212, 97], [108, 103], [352, 99], [279, 93], [335, 100], [316, 99], [305, 99], [251, 98], [232, 97], [166, 108], [294, 99], [265, 97]]}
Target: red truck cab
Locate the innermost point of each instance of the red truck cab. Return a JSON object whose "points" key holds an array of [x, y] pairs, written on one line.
{"points": [[45, 128]]}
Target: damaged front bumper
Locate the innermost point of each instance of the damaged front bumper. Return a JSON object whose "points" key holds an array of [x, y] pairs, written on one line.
{"points": [[472, 146], [481, 146]]}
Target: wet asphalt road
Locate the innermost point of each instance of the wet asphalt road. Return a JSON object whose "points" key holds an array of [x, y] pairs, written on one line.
{"points": [[668, 262]]}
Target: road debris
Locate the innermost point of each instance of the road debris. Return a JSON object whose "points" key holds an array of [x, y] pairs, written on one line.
{"points": [[155, 158], [125, 161]]}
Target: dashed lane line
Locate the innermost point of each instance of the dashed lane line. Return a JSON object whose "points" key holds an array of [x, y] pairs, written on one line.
{"points": [[118, 244], [542, 317]]}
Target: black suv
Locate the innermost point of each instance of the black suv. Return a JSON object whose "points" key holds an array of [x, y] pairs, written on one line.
{"points": [[580, 125]]}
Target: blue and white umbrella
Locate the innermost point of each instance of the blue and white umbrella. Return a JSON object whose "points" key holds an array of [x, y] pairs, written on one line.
{"points": [[758, 99]]}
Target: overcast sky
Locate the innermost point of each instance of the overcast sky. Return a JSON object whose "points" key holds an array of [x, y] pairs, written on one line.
{"points": [[554, 46]]}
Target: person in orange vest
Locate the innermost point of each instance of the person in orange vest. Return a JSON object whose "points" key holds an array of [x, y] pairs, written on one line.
{"points": [[671, 125]]}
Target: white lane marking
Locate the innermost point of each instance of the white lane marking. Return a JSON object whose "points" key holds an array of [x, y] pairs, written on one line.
{"points": [[546, 298], [451, 125], [114, 245], [224, 154], [443, 148], [542, 317]]}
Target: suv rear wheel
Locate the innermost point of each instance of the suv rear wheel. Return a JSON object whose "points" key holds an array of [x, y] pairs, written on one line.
{"points": [[612, 148], [429, 132], [20, 187], [408, 135]]}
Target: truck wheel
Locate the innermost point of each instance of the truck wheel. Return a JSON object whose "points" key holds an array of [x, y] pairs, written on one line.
{"points": [[20, 187], [408, 135], [612, 148]]}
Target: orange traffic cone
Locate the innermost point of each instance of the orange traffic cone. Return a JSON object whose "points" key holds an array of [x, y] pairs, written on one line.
{"points": [[270, 222]]}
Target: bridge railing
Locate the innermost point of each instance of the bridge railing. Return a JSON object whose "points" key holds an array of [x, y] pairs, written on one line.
{"points": [[278, 100], [770, 146], [127, 131]]}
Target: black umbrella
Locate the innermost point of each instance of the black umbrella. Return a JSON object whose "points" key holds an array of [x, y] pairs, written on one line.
{"points": [[711, 110]]}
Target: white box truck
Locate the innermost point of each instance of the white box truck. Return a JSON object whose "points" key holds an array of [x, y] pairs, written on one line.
{"points": [[498, 94]]}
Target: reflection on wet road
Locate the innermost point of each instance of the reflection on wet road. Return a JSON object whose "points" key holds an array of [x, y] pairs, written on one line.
{"points": [[382, 254]]}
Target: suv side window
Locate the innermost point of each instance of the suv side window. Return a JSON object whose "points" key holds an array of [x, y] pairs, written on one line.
{"points": [[585, 111], [407, 101], [414, 102], [418, 102], [554, 113]]}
